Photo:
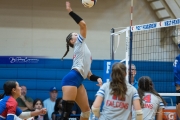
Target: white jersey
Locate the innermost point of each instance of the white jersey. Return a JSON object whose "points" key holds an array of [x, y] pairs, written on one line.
{"points": [[151, 105], [82, 57], [115, 108]]}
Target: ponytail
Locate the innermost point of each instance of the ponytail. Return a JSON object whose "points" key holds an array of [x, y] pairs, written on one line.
{"points": [[67, 45]]}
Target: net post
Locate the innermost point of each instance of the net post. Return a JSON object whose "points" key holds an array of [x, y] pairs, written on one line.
{"points": [[112, 44]]}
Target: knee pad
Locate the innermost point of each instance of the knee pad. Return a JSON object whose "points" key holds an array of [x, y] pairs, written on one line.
{"points": [[85, 114], [66, 109], [177, 97]]}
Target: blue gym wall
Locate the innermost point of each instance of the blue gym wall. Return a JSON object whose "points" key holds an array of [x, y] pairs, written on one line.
{"points": [[40, 77]]}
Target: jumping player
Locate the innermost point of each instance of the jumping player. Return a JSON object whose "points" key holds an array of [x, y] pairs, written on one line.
{"points": [[72, 88], [151, 102], [8, 104], [118, 96]]}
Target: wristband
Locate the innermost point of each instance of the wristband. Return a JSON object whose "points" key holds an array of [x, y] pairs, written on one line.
{"points": [[94, 78], [76, 18]]}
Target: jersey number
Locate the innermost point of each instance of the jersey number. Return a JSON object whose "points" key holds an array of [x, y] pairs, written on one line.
{"points": [[147, 98]]}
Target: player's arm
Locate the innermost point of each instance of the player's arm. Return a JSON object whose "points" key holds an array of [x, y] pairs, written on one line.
{"points": [[96, 106], [95, 78], [138, 109], [159, 114], [78, 20]]}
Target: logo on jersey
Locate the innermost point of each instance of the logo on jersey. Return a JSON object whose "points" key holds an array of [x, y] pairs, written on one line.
{"points": [[114, 97], [117, 102], [147, 103]]}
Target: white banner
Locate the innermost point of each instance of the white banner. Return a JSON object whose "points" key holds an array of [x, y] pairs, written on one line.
{"points": [[154, 25]]}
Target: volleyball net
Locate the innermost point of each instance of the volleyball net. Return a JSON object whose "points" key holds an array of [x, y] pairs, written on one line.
{"points": [[152, 48], [153, 51]]}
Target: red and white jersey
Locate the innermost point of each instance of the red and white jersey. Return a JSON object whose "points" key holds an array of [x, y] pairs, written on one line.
{"points": [[82, 57], [151, 105], [115, 108]]}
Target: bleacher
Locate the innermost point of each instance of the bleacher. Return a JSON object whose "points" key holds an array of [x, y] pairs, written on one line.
{"points": [[49, 72]]}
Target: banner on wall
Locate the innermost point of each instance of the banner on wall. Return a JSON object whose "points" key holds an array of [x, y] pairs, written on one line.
{"points": [[107, 69], [21, 60]]}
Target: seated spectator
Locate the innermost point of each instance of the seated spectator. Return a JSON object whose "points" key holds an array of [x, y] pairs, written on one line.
{"points": [[57, 109], [50, 102], [38, 105], [25, 103]]}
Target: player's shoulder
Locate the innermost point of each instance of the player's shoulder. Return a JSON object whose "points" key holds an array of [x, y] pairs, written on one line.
{"points": [[131, 88]]}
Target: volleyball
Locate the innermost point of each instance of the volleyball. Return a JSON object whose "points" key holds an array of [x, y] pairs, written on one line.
{"points": [[89, 3]]}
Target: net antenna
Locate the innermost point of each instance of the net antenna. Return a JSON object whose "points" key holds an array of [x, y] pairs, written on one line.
{"points": [[125, 30]]}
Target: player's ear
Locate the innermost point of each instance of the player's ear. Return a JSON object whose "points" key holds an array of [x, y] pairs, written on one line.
{"points": [[13, 90]]}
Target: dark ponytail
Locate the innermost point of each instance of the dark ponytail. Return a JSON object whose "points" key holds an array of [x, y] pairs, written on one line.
{"points": [[68, 38], [67, 45]]}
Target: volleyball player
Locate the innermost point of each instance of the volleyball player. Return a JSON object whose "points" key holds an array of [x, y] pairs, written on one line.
{"points": [[72, 87], [151, 102], [8, 105], [118, 96]]}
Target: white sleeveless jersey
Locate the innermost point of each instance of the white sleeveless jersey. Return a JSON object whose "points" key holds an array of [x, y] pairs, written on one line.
{"points": [[115, 108], [151, 105], [82, 57]]}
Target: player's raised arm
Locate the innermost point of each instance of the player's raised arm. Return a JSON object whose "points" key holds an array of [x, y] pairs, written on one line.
{"points": [[77, 19]]}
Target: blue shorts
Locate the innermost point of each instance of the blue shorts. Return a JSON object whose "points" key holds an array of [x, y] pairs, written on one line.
{"points": [[73, 78]]}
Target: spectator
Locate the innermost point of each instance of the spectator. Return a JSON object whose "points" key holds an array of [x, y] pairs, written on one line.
{"points": [[118, 96], [50, 102], [8, 105], [151, 102], [25, 103], [133, 81], [57, 109], [38, 105]]}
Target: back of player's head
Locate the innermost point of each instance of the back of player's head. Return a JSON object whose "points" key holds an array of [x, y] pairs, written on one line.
{"points": [[8, 86], [118, 82], [145, 83], [68, 38], [118, 72]]}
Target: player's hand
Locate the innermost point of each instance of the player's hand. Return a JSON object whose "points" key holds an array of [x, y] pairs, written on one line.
{"points": [[99, 80], [68, 6], [42, 111]]}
